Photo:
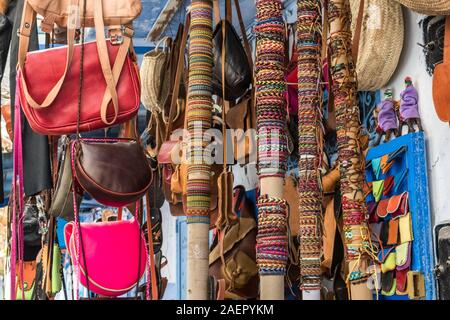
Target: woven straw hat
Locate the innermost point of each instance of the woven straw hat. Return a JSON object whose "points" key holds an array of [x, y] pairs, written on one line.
{"points": [[380, 44], [428, 7]]}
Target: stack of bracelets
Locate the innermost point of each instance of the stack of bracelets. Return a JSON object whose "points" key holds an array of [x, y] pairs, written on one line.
{"points": [[271, 246], [348, 132], [272, 240], [309, 45], [270, 89], [199, 108]]}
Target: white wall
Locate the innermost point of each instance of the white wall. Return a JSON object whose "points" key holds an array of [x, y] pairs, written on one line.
{"points": [[437, 133]]}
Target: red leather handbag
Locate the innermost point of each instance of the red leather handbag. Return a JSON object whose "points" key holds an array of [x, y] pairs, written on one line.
{"points": [[49, 95]]}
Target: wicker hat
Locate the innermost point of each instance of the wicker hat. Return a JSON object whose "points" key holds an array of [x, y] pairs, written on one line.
{"points": [[428, 7], [381, 42]]}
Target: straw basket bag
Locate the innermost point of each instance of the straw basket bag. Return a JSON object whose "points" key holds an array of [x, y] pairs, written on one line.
{"points": [[428, 7], [155, 76], [380, 42]]}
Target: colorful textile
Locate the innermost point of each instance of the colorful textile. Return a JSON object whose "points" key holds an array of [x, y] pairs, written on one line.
{"points": [[309, 46], [272, 240], [199, 107]]}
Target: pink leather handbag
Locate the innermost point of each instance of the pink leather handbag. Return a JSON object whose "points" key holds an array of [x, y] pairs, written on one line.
{"points": [[115, 255]]}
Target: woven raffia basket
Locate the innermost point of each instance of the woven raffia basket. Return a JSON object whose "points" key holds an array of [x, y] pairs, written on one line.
{"points": [[428, 7], [380, 44], [155, 78]]}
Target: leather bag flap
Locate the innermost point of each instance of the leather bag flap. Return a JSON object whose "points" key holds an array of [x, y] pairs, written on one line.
{"points": [[235, 234], [403, 257], [382, 208]]}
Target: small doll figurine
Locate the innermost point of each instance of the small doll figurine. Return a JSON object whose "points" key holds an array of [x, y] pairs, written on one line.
{"points": [[409, 108], [387, 118]]}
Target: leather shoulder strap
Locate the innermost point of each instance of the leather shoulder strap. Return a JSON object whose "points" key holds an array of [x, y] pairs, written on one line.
{"points": [[247, 47], [28, 18], [216, 10], [357, 36], [224, 104], [179, 72], [152, 271]]}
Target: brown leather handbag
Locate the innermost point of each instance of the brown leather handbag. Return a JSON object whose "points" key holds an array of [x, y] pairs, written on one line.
{"points": [[174, 181], [234, 258], [113, 171], [242, 119]]}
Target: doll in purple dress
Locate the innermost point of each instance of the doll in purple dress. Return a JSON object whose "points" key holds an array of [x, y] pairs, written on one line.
{"points": [[386, 117], [409, 108]]}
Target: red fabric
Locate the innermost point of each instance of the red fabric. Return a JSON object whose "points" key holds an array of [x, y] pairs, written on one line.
{"points": [[43, 69]]}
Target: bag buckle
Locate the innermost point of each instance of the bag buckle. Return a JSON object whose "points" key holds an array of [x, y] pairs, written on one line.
{"points": [[117, 34]]}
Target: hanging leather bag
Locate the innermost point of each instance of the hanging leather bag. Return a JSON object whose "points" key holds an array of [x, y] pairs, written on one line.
{"points": [[238, 74], [117, 246], [62, 200], [113, 171], [49, 96], [441, 80], [235, 259]]}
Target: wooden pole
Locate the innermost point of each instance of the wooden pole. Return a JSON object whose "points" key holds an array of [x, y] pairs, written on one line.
{"points": [[309, 48], [351, 161], [271, 247], [199, 107]]}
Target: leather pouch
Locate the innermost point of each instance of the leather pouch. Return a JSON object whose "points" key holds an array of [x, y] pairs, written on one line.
{"points": [[382, 208], [387, 259], [377, 191], [402, 278], [29, 277], [406, 230], [398, 205], [376, 167], [372, 210], [384, 233], [403, 256], [388, 185], [367, 189], [385, 165], [375, 231], [388, 283], [393, 232]]}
